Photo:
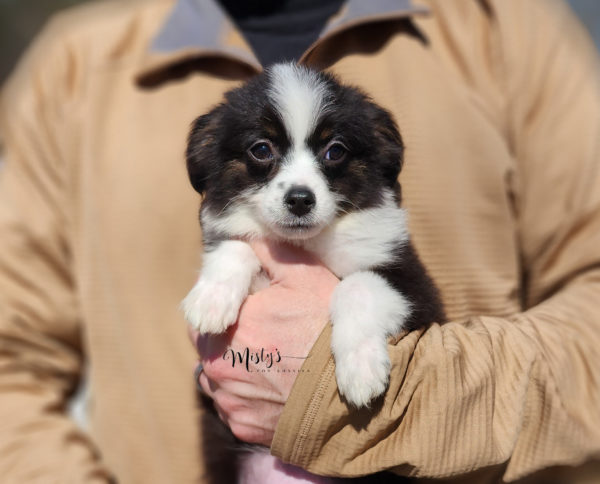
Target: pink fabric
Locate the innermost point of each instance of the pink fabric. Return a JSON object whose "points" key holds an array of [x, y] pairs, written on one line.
{"points": [[262, 467]]}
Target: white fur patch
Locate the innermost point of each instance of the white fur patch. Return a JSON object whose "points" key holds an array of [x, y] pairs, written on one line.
{"points": [[227, 273], [238, 219], [365, 311], [300, 98], [362, 239]]}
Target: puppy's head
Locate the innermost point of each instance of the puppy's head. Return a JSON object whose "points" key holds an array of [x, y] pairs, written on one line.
{"points": [[290, 151]]}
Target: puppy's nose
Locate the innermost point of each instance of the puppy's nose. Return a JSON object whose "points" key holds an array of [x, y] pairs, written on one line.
{"points": [[299, 200]]}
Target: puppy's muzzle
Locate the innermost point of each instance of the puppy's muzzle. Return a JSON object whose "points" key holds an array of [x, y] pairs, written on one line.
{"points": [[300, 200]]}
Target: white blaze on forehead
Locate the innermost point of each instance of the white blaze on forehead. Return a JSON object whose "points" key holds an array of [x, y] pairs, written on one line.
{"points": [[300, 97]]}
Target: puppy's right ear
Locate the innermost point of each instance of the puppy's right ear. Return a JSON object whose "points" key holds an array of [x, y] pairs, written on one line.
{"points": [[201, 151]]}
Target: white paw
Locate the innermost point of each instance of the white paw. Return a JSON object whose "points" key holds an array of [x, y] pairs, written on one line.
{"points": [[213, 306], [363, 372], [365, 311]]}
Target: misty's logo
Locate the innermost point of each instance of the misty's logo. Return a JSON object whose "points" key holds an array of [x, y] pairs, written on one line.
{"points": [[257, 360]]}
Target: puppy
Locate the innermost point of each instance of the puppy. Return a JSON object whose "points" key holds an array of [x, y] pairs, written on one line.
{"points": [[293, 155]]}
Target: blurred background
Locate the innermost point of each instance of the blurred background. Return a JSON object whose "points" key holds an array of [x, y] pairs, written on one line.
{"points": [[20, 20]]}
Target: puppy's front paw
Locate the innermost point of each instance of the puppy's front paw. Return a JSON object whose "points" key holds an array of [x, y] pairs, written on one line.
{"points": [[365, 310], [213, 306], [362, 372]]}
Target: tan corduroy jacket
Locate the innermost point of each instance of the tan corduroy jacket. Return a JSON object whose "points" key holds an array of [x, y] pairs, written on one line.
{"points": [[499, 105]]}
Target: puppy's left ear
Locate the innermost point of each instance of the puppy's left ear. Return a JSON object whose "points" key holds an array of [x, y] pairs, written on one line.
{"points": [[201, 151], [390, 144]]}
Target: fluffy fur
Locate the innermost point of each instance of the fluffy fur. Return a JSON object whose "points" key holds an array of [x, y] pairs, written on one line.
{"points": [[294, 155]]}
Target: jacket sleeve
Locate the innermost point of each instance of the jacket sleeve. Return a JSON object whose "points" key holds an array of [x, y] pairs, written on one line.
{"points": [[40, 347], [522, 391]]}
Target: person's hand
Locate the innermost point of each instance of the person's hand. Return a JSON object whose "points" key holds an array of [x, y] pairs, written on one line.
{"points": [[284, 321]]}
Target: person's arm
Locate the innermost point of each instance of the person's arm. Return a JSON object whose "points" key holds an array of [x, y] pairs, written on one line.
{"points": [[522, 391], [40, 334]]}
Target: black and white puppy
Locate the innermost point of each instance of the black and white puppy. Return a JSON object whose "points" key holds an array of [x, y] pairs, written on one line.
{"points": [[295, 156]]}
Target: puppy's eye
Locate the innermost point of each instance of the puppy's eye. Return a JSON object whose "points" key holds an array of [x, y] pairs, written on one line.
{"points": [[261, 151], [335, 153]]}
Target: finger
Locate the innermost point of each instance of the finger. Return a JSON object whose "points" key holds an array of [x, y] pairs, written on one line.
{"points": [[197, 372], [210, 346], [250, 433], [221, 414], [278, 258], [246, 390], [209, 388], [275, 253], [198, 340], [205, 386], [260, 417]]}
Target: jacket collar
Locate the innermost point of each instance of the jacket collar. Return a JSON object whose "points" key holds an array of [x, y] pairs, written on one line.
{"points": [[198, 29]]}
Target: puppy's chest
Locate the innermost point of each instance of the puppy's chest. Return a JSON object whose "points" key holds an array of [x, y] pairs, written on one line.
{"points": [[361, 240]]}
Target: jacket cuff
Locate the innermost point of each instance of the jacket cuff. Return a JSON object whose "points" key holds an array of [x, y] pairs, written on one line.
{"points": [[314, 388]]}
